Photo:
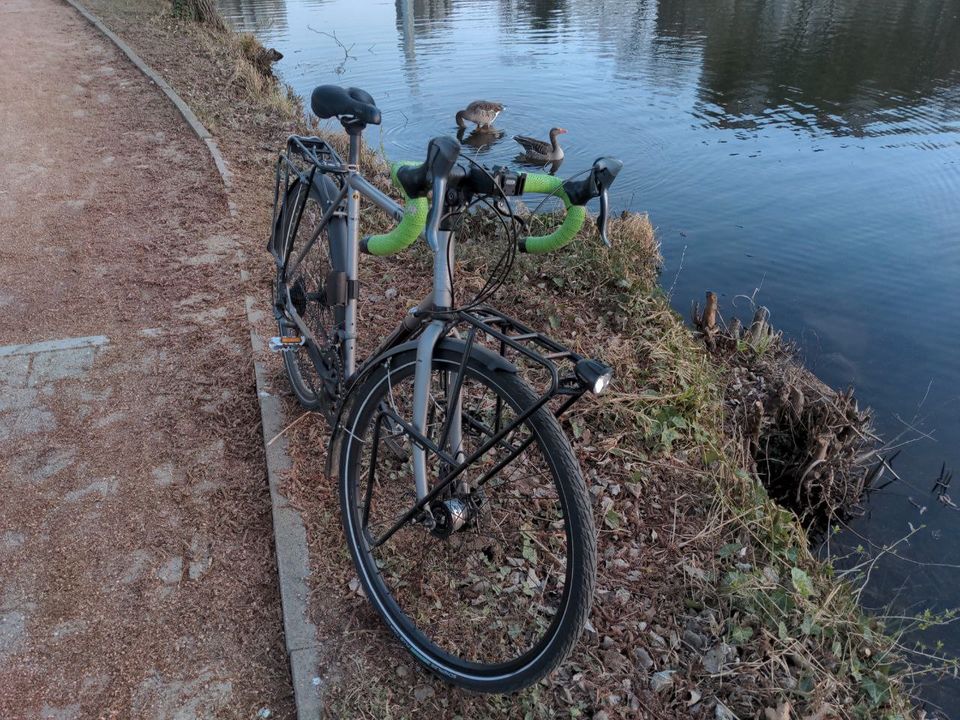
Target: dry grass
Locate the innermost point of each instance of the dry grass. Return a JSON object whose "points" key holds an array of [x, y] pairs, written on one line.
{"points": [[252, 76], [201, 11]]}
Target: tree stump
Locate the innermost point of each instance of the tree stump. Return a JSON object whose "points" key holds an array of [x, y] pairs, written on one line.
{"points": [[706, 322], [759, 328]]}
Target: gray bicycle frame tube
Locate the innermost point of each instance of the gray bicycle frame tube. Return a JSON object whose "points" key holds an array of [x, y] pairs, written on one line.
{"points": [[347, 258]]}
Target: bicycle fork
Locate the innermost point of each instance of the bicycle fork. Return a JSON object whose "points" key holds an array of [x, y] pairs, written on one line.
{"points": [[441, 242]]}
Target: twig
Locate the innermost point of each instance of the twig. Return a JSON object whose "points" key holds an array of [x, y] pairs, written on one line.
{"points": [[677, 276], [308, 412], [341, 68], [752, 297], [917, 430]]}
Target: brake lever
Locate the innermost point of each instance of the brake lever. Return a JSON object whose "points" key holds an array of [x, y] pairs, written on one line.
{"points": [[602, 218], [605, 171]]}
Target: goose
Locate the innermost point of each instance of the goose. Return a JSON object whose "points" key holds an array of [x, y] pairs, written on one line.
{"points": [[481, 112], [540, 149]]}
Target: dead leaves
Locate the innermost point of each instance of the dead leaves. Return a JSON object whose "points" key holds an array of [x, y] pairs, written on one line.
{"points": [[782, 712]]}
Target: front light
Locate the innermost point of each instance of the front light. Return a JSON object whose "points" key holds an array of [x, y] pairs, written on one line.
{"points": [[594, 375], [602, 383]]}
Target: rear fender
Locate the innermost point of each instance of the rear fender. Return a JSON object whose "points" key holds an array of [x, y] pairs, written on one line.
{"points": [[324, 191]]}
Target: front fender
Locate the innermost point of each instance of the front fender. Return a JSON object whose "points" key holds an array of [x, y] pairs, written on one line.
{"points": [[485, 356]]}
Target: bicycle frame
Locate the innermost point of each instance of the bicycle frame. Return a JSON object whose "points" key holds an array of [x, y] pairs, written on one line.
{"points": [[346, 259], [427, 324]]}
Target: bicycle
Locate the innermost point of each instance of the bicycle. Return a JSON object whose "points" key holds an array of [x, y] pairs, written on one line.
{"points": [[463, 506]]}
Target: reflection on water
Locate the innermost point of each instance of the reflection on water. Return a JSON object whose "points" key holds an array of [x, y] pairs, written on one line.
{"points": [[541, 18], [480, 139], [808, 148], [256, 16], [424, 16], [812, 64]]}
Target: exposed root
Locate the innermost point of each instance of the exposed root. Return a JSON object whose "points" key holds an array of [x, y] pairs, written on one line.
{"points": [[812, 446]]}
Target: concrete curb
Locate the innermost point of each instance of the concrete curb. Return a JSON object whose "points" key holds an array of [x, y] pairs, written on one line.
{"points": [[54, 345], [290, 537]]}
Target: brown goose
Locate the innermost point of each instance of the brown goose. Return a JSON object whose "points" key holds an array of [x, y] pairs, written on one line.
{"points": [[481, 112], [541, 150]]}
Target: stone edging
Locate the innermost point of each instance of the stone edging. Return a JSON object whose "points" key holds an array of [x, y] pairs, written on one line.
{"points": [[76, 343], [184, 109], [290, 539]]}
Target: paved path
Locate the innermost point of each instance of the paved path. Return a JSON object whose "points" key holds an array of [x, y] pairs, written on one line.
{"points": [[136, 576]]}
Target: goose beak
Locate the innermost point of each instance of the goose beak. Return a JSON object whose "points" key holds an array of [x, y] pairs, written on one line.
{"points": [[562, 131]]}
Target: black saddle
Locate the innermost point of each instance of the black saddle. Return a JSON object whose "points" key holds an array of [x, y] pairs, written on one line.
{"points": [[329, 101]]}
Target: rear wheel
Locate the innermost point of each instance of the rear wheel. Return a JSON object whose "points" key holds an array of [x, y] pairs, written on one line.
{"points": [[495, 594], [314, 369]]}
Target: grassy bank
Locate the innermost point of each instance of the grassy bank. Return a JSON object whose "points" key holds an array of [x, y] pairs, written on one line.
{"points": [[710, 603]]}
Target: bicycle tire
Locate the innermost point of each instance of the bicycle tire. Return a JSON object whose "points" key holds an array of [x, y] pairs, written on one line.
{"points": [[573, 605], [310, 388]]}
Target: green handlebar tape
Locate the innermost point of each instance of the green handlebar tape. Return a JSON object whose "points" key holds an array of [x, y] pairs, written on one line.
{"points": [[536, 244], [546, 184], [576, 214], [409, 229]]}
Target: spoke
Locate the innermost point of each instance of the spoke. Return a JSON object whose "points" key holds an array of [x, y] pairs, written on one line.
{"points": [[393, 404], [373, 469], [306, 278], [486, 430]]}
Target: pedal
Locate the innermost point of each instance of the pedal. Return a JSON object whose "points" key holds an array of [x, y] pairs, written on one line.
{"points": [[286, 344]]}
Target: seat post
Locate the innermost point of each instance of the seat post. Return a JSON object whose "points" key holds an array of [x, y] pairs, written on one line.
{"points": [[355, 148], [355, 130]]}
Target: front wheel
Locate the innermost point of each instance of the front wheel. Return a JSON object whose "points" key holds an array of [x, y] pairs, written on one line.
{"points": [[492, 590]]}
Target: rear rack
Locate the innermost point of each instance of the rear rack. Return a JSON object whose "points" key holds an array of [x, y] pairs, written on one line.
{"points": [[314, 151], [299, 162]]}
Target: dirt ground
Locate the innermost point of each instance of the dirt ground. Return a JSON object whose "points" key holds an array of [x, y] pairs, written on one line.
{"points": [[137, 574]]}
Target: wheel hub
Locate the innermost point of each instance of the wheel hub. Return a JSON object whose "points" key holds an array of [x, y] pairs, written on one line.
{"points": [[450, 516]]}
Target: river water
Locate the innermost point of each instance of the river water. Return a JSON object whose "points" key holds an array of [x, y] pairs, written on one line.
{"points": [[802, 152]]}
